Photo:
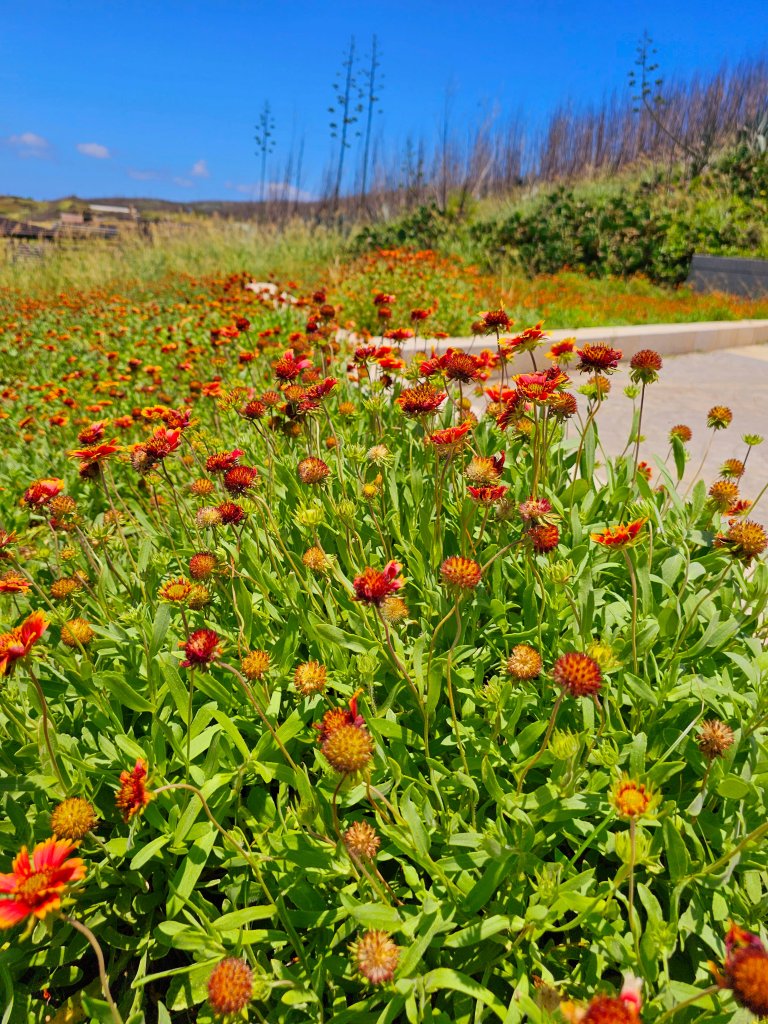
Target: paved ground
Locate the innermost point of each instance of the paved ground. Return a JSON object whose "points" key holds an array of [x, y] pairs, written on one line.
{"points": [[688, 386]]}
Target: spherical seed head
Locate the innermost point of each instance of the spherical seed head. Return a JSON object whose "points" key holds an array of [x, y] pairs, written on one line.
{"points": [[714, 738], [201, 488], [745, 540], [255, 665], [394, 610], [747, 977], [230, 986], [208, 516], [376, 957], [77, 632], [632, 799], [524, 662], [199, 597], [722, 493], [544, 537], [231, 513], [598, 358], [483, 470], [316, 559], [732, 469], [563, 405], [312, 470], [64, 587], [609, 1010], [346, 408], [578, 674], [362, 840], [681, 431], [201, 648], [240, 479], [719, 417], [349, 748], [462, 573], [310, 678], [73, 818], [202, 565], [644, 366]]}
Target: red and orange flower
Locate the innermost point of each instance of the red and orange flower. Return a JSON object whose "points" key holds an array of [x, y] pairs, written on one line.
{"points": [[373, 586], [619, 536], [35, 886], [17, 643]]}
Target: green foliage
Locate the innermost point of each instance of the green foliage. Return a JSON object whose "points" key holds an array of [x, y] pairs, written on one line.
{"points": [[505, 865]]}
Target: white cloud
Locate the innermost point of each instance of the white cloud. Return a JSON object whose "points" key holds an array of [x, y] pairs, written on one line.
{"points": [[30, 144], [93, 149], [143, 175], [272, 190], [200, 169]]}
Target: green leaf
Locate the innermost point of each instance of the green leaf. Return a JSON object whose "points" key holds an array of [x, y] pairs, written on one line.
{"points": [[444, 977], [122, 690], [190, 869]]}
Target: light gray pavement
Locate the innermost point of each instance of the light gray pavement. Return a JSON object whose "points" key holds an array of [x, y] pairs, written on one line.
{"points": [[688, 386]]}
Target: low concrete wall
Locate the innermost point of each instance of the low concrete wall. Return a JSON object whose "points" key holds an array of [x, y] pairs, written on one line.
{"points": [[732, 274], [666, 339]]}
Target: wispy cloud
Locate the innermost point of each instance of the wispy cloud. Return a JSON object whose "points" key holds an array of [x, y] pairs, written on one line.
{"points": [[183, 182], [28, 144], [200, 169], [138, 175], [272, 190], [93, 149]]}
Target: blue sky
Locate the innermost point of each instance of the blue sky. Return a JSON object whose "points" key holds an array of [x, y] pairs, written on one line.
{"points": [[161, 99]]}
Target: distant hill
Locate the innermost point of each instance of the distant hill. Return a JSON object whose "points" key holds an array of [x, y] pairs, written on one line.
{"points": [[46, 211]]}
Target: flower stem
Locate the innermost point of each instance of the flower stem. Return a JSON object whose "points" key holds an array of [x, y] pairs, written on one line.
{"points": [[94, 944], [633, 581], [538, 755]]}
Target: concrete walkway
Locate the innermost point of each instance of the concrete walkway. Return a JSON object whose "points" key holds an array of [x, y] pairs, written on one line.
{"points": [[688, 386]]}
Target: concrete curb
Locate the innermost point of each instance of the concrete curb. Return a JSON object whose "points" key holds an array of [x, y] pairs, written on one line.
{"points": [[666, 339]]}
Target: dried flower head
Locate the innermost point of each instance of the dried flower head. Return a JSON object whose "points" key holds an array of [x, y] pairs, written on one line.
{"points": [[240, 479], [732, 469], [421, 400], [73, 818], [394, 609], [578, 674], [77, 633], [230, 986], [312, 470], [682, 432], [744, 540], [362, 840], [644, 366], [376, 957], [316, 559], [524, 662], [484, 471], [309, 678], [723, 493], [714, 738], [348, 748], [543, 538], [598, 358], [202, 488], [65, 587], [746, 970], [201, 648], [255, 664], [202, 565], [719, 417], [461, 573]]}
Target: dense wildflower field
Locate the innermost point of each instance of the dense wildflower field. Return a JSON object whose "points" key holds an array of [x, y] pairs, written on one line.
{"points": [[344, 685]]}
